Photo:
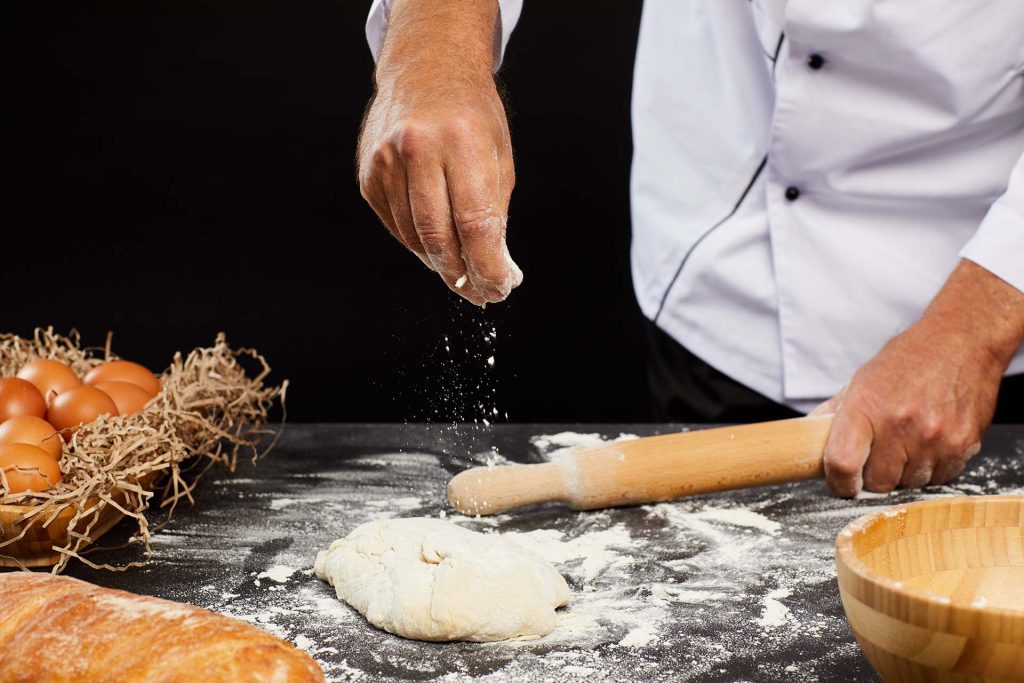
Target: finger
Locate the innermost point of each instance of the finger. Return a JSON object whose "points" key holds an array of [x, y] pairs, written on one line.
{"points": [[431, 215], [479, 210], [517, 273], [948, 469], [372, 171], [885, 464], [381, 206], [918, 471], [930, 456], [507, 183], [846, 451], [506, 163], [397, 194]]}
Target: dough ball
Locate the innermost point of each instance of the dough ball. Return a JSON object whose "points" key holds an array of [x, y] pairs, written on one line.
{"points": [[429, 579]]}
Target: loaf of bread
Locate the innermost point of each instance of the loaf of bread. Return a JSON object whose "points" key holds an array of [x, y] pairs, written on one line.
{"points": [[55, 628]]}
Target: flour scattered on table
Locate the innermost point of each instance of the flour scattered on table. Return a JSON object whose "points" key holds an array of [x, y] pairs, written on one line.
{"points": [[740, 517], [403, 503], [694, 590], [555, 446], [304, 642], [639, 636], [775, 613], [279, 573], [233, 481], [595, 549]]}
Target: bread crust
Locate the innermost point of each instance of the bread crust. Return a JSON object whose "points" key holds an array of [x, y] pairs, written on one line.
{"points": [[55, 629]]}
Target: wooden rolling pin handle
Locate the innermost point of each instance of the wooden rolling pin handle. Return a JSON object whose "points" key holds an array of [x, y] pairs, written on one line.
{"points": [[495, 489]]}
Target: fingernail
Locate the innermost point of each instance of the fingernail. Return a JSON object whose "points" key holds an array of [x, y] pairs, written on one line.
{"points": [[517, 274], [495, 295], [516, 271], [495, 292]]}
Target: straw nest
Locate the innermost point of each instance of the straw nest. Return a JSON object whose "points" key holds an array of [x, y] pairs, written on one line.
{"points": [[209, 411]]}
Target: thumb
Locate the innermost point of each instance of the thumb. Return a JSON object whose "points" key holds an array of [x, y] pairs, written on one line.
{"points": [[846, 451]]}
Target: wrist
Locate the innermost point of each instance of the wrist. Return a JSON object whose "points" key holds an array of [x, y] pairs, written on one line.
{"points": [[979, 314], [438, 40]]}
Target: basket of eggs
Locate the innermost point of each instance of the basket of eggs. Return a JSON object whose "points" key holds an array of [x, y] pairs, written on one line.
{"points": [[88, 439]]}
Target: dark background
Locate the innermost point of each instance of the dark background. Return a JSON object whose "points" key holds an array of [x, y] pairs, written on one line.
{"points": [[169, 170]]}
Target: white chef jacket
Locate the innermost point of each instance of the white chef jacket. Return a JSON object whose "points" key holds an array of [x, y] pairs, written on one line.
{"points": [[807, 174]]}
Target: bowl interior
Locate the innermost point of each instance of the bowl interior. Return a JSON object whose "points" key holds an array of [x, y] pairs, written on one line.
{"points": [[967, 550]]}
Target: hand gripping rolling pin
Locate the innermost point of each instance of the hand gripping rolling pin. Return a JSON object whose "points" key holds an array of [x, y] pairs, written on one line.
{"points": [[652, 469]]}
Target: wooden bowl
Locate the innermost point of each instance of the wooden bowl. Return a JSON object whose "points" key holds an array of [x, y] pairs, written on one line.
{"points": [[934, 591]]}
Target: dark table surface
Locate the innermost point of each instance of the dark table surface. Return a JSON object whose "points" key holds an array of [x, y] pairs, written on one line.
{"points": [[736, 586]]}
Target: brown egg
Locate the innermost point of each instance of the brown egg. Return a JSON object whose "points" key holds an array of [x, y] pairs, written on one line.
{"points": [[124, 371], [34, 431], [129, 398], [28, 468], [49, 377], [78, 406], [18, 397]]}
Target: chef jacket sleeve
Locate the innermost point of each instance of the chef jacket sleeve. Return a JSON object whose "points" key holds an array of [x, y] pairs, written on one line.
{"points": [[377, 23], [998, 245]]}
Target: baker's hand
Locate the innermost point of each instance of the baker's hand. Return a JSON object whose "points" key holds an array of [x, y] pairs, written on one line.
{"points": [[435, 157], [916, 412]]}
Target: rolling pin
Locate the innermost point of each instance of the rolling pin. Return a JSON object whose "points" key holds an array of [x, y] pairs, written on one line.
{"points": [[652, 469]]}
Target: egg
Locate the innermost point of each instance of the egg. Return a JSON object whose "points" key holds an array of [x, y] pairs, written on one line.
{"points": [[18, 397], [28, 468], [34, 431], [124, 371], [77, 406], [50, 377], [129, 398]]}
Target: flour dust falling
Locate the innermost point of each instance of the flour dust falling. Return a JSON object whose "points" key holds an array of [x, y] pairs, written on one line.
{"points": [[462, 373]]}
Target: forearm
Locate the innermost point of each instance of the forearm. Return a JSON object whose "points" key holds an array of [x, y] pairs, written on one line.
{"points": [[453, 38], [981, 311]]}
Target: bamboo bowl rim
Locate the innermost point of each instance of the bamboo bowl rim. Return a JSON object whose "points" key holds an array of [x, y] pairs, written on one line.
{"points": [[964, 614]]}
